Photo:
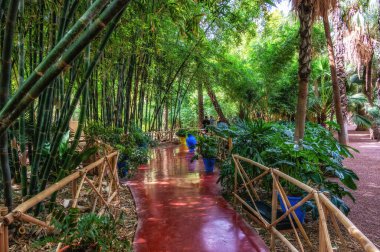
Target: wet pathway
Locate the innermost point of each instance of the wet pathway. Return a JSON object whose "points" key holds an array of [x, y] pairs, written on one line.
{"points": [[366, 211], [180, 209]]}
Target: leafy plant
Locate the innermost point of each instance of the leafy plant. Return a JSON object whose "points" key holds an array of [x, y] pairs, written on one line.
{"points": [[87, 231], [181, 133], [314, 161], [208, 146], [133, 146]]}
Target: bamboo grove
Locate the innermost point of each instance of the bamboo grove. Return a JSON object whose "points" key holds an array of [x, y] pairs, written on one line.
{"points": [[118, 63]]}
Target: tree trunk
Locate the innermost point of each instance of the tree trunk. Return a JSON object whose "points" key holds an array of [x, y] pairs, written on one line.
{"points": [[201, 109], [305, 16], [378, 87], [215, 102], [368, 81], [5, 83], [343, 137], [339, 47]]}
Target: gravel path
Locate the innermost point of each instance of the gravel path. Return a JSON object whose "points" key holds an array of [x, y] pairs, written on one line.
{"points": [[365, 214]]}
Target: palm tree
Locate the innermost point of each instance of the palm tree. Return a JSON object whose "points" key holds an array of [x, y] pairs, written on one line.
{"points": [[305, 11], [339, 49], [323, 11]]}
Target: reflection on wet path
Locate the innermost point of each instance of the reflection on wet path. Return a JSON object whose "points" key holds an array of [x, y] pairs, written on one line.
{"points": [[180, 208]]}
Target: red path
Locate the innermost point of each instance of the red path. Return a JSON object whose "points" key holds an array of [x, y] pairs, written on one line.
{"points": [[180, 209], [365, 214]]}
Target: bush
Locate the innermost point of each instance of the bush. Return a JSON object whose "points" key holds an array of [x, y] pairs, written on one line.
{"points": [[87, 232], [133, 147], [181, 133], [208, 146], [314, 161]]}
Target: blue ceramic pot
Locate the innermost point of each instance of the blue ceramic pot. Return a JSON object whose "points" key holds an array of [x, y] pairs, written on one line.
{"points": [[191, 142], [121, 164], [300, 212], [209, 164]]}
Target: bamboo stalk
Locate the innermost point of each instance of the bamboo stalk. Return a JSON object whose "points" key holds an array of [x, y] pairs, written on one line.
{"points": [[274, 214], [113, 177], [283, 239], [242, 172], [323, 229], [95, 190], [100, 181], [303, 232], [235, 178], [30, 219], [6, 239], [53, 188], [337, 230], [75, 200], [255, 212], [54, 54], [366, 244], [247, 189], [256, 178], [292, 209], [2, 237], [74, 188], [286, 205]]}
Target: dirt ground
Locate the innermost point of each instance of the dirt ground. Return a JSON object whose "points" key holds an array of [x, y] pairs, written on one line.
{"points": [[366, 211]]}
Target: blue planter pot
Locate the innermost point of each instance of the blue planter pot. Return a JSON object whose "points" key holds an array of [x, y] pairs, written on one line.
{"points": [[209, 164], [121, 164], [122, 167], [191, 142], [293, 201]]}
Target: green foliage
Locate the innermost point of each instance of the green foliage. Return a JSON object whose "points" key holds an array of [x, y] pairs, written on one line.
{"points": [[133, 147], [87, 231], [208, 146], [314, 161], [181, 133], [72, 161]]}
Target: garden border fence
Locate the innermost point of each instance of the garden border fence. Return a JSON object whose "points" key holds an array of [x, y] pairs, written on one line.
{"points": [[105, 185], [326, 209]]}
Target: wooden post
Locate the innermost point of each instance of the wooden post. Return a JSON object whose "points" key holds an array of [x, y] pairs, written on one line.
{"points": [[324, 237], [274, 213], [74, 188], [235, 178], [229, 144], [4, 239]]}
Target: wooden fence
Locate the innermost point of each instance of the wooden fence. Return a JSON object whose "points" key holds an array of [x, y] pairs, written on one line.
{"points": [[224, 147], [250, 187], [100, 177], [168, 135], [163, 136]]}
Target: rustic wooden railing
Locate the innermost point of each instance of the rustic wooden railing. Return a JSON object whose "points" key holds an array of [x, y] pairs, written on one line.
{"points": [[100, 177], [163, 136], [326, 209], [224, 147], [168, 135]]}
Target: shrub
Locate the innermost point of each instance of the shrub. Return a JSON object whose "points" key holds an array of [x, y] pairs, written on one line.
{"points": [[181, 133], [314, 161], [87, 232]]}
